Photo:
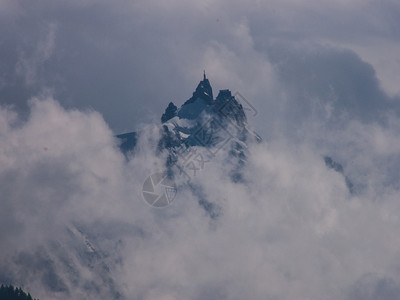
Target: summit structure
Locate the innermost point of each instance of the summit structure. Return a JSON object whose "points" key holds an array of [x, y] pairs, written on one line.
{"points": [[201, 98], [203, 91]]}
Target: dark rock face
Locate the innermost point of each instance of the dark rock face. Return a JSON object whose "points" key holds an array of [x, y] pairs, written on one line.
{"points": [[170, 112], [331, 164], [203, 91], [128, 141], [226, 106], [202, 98]]}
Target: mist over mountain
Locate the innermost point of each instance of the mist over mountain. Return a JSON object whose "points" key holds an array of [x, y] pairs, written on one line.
{"points": [[127, 173], [75, 223]]}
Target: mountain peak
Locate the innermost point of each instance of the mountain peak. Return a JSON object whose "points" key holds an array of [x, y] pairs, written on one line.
{"points": [[225, 105], [203, 91], [170, 112], [180, 125], [202, 97]]}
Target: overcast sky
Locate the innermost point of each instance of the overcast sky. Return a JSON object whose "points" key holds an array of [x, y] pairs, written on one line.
{"points": [[128, 59], [324, 77]]}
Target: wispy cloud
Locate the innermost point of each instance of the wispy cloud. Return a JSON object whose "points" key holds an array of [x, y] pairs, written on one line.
{"points": [[29, 64], [73, 223]]}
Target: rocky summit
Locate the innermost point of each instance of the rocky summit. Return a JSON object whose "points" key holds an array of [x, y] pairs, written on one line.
{"points": [[201, 121]]}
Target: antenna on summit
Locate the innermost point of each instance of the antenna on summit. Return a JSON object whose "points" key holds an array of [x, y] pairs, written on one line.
{"points": [[204, 75]]}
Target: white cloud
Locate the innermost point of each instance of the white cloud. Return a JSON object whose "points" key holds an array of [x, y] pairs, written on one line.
{"points": [[292, 231], [29, 65], [122, 55]]}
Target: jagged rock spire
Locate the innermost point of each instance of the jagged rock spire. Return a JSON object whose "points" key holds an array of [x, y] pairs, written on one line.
{"points": [[170, 112], [202, 97], [203, 91]]}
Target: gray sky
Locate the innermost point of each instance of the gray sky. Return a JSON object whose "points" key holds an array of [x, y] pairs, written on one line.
{"points": [[323, 76], [128, 59]]}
